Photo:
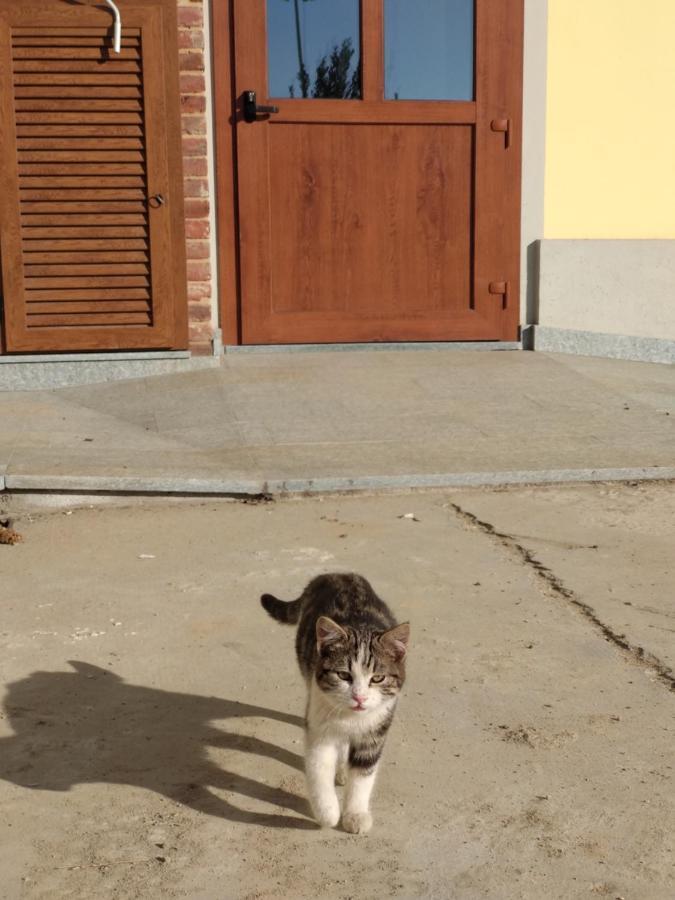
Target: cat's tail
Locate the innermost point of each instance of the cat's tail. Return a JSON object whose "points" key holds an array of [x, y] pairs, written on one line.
{"points": [[286, 613]]}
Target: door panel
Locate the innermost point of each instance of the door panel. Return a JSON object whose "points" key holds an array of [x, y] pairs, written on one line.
{"points": [[379, 219], [409, 258], [92, 245]]}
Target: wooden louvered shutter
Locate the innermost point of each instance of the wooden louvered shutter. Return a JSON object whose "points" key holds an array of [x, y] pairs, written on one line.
{"points": [[91, 208]]}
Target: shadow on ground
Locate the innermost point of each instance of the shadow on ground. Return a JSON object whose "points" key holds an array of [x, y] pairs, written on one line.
{"points": [[89, 726]]}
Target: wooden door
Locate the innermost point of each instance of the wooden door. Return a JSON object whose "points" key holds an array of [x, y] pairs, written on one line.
{"points": [[370, 217], [91, 207]]}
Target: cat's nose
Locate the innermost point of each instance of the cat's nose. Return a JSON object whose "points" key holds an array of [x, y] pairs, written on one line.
{"points": [[360, 698]]}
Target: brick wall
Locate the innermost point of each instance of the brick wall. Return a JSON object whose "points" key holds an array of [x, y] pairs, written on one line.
{"points": [[195, 169]]}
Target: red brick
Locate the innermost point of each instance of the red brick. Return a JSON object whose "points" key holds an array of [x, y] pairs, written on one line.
{"points": [[198, 249], [197, 228], [198, 271], [194, 146], [194, 166], [199, 348], [191, 83], [193, 124], [190, 40], [199, 331], [193, 103], [189, 18], [199, 312], [192, 61], [195, 187], [196, 209], [199, 290]]}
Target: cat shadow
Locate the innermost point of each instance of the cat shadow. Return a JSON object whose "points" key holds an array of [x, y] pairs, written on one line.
{"points": [[89, 726]]}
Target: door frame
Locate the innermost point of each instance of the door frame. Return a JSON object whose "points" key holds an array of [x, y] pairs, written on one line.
{"points": [[224, 117], [225, 136]]}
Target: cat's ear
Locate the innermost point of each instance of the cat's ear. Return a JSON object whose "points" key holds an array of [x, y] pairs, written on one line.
{"points": [[328, 632], [395, 641]]}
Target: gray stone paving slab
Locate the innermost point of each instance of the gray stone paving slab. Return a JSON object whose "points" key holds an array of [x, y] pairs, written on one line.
{"points": [[120, 462], [351, 417]]}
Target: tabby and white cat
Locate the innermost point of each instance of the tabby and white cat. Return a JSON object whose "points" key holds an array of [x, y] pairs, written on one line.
{"points": [[351, 653]]}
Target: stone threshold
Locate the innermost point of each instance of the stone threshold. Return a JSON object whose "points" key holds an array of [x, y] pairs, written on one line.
{"points": [[373, 347], [46, 372], [13, 358]]}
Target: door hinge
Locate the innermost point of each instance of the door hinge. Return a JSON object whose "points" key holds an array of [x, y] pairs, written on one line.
{"points": [[500, 287], [502, 125]]}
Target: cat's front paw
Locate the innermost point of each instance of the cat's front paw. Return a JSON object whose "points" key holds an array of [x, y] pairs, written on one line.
{"points": [[327, 813], [357, 822]]}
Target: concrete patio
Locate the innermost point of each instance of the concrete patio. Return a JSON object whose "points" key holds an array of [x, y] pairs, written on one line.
{"points": [[322, 421], [151, 730]]}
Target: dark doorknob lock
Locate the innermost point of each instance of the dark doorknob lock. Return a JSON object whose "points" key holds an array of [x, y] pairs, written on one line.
{"points": [[252, 109]]}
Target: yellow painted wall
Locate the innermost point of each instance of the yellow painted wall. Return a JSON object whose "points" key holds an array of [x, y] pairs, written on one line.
{"points": [[610, 133]]}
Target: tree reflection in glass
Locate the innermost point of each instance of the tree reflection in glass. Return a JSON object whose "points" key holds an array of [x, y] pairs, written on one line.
{"points": [[313, 49]]}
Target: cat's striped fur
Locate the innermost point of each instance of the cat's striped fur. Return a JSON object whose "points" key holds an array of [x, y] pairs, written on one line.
{"points": [[352, 655]]}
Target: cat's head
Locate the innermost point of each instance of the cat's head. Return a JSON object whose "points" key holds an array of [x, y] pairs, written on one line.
{"points": [[360, 669]]}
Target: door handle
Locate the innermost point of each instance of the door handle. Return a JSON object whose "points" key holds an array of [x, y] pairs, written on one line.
{"points": [[252, 109], [503, 125]]}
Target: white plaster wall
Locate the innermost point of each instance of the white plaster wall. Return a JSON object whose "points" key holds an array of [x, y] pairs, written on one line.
{"points": [[534, 151]]}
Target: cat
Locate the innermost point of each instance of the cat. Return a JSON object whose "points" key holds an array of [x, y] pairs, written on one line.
{"points": [[352, 654]]}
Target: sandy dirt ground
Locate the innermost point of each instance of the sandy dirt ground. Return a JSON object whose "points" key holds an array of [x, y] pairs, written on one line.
{"points": [[151, 732]]}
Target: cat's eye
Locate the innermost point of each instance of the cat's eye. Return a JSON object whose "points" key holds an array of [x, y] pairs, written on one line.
{"points": [[345, 676], [376, 679]]}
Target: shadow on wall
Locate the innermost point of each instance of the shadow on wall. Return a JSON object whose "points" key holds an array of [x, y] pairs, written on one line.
{"points": [[89, 726], [531, 312]]}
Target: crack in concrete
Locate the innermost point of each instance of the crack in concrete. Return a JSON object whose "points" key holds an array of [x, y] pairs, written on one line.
{"points": [[556, 587]]}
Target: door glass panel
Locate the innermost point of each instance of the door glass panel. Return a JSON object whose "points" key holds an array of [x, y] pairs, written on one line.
{"points": [[314, 48], [428, 49]]}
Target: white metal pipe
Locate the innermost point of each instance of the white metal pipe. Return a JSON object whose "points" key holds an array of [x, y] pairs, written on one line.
{"points": [[117, 33]]}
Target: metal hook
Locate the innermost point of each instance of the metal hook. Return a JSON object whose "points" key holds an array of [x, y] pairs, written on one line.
{"points": [[117, 33]]}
